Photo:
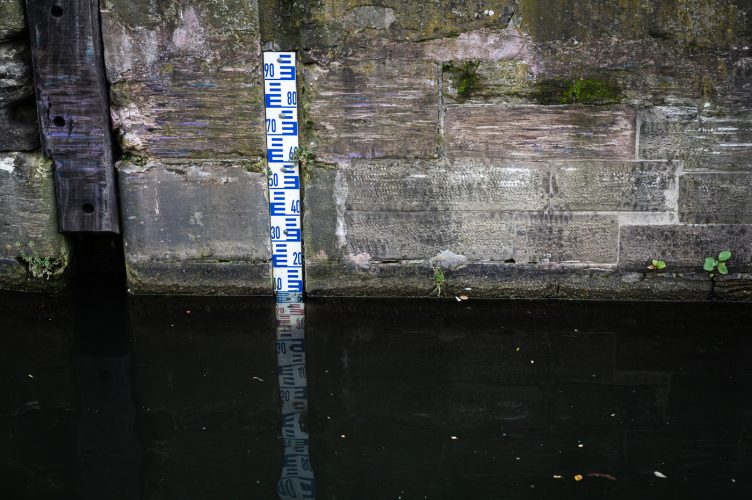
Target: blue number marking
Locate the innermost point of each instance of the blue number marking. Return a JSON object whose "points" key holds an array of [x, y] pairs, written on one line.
{"points": [[271, 125], [268, 71], [292, 98]]}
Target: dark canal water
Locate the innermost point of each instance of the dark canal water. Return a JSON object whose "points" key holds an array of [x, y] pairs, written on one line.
{"points": [[179, 398]]}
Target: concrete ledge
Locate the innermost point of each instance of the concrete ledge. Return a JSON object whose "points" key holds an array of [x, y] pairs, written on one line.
{"points": [[500, 280], [199, 278], [684, 247]]}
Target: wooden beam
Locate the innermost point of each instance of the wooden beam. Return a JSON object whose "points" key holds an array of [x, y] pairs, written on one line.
{"points": [[73, 111]]}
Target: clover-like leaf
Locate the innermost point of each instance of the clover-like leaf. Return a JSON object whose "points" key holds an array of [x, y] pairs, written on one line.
{"points": [[709, 264], [722, 268], [659, 264], [724, 256]]}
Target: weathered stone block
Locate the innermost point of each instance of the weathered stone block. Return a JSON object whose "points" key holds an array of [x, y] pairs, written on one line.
{"points": [[373, 109], [695, 22], [28, 215], [190, 115], [457, 184], [685, 247], [613, 185], [495, 236], [496, 82], [363, 236], [185, 79], [12, 21], [18, 120], [700, 140], [195, 227], [716, 198], [330, 23], [540, 132]]}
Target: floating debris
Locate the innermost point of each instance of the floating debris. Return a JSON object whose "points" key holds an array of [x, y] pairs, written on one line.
{"points": [[601, 474], [557, 476], [578, 477], [660, 475]]}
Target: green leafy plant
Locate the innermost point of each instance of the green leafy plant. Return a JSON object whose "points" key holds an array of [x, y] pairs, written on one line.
{"points": [[304, 157], [713, 265], [40, 266], [439, 282], [657, 264]]}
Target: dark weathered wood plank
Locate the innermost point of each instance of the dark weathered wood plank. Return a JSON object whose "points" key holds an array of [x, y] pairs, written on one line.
{"points": [[73, 111]]}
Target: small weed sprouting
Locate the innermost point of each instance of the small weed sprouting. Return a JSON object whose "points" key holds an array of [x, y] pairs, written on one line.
{"points": [[40, 266], [304, 157], [439, 282], [657, 264], [718, 264]]}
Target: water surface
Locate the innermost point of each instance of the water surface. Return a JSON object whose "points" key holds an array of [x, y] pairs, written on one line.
{"points": [[179, 398]]}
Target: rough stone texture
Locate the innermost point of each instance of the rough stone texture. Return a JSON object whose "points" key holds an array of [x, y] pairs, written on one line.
{"points": [[698, 22], [18, 124], [342, 24], [197, 227], [613, 185], [495, 236], [185, 78], [699, 139], [490, 279], [186, 84], [373, 109], [457, 184], [685, 247], [27, 214], [716, 198], [537, 132]]}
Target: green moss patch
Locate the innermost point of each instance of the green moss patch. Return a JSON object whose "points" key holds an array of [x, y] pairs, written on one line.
{"points": [[578, 91], [465, 78]]}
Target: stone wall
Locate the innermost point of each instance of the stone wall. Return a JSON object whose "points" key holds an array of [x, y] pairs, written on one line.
{"points": [[528, 148], [28, 219]]}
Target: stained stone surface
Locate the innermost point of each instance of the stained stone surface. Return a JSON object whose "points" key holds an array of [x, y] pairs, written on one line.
{"points": [[540, 132], [195, 227], [185, 79], [467, 184], [530, 148], [716, 198], [374, 109], [28, 215], [684, 247], [703, 141], [638, 186], [18, 123]]}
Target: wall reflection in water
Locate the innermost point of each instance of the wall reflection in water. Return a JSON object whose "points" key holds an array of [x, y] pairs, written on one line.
{"points": [[411, 399], [297, 479]]}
